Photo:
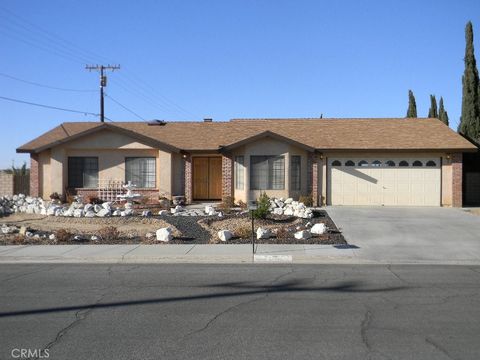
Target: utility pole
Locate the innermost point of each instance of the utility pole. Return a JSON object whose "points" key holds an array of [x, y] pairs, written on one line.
{"points": [[103, 83]]}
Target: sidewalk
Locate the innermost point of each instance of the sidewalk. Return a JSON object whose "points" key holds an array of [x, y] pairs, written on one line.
{"points": [[235, 254]]}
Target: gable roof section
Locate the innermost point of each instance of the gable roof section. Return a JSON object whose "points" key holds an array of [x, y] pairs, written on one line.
{"points": [[320, 134], [263, 135]]}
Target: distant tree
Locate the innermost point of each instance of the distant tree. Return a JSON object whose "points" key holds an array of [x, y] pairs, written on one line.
{"points": [[470, 118], [20, 171], [432, 112], [442, 114], [412, 105]]}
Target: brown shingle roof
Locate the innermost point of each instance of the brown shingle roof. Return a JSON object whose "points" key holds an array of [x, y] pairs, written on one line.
{"points": [[322, 134]]}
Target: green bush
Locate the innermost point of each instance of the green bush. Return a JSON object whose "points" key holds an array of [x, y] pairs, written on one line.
{"points": [[307, 200], [263, 205]]}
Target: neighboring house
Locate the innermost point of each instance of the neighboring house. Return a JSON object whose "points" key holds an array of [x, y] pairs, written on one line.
{"points": [[415, 162]]}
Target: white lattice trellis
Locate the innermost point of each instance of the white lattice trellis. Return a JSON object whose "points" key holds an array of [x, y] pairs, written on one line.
{"points": [[108, 190]]}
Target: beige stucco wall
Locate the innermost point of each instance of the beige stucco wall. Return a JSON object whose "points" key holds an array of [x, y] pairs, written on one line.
{"points": [[111, 148], [446, 169], [270, 146]]}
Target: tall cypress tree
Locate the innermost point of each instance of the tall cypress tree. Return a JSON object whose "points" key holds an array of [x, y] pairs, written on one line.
{"points": [[432, 112], [470, 119], [442, 114], [412, 105]]}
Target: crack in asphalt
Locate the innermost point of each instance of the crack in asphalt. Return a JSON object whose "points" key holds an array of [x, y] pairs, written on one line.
{"points": [[389, 268], [80, 315], [37, 270], [364, 325], [129, 251], [429, 341]]}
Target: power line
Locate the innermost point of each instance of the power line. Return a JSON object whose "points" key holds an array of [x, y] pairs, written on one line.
{"points": [[43, 85], [124, 107], [49, 106]]}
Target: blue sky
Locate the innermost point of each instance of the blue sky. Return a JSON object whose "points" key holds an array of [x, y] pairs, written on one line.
{"points": [[185, 60]]}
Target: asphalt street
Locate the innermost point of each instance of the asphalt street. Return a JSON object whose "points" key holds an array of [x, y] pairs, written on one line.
{"points": [[239, 311]]}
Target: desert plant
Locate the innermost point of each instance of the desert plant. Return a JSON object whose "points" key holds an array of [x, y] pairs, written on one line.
{"points": [[263, 207], [283, 233], [307, 200], [109, 233], [243, 232], [241, 204], [63, 235]]}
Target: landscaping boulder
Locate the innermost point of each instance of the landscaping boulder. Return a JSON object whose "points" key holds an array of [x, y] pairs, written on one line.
{"points": [[263, 233], [90, 214], [146, 213], [104, 212], [88, 207], [318, 229], [163, 212], [288, 211], [164, 234], [225, 235], [97, 208], [78, 213], [288, 201], [210, 210], [303, 235], [52, 237], [278, 211]]}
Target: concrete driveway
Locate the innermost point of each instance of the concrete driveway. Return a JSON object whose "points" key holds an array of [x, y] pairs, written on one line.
{"points": [[410, 235]]}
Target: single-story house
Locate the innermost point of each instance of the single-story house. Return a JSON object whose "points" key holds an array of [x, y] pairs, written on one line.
{"points": [[411, 162]]}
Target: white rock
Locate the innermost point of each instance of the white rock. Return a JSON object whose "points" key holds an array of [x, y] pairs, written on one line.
{"points": [[104, 213], [78, 213], [288, 211], [279, 203], [164, 234], [128, 205], [308, 224], [117, 213], [263, 233], [303, 235], [107, 205], [288, 201], [146, 213], [90, 214], [149, 235], [209, 209], [163, 212], [220, 214], [52, 237], [28, 234], [97, 208], [318, 229], [88, 207], [225, 235], [94, 238], [278, 211]]}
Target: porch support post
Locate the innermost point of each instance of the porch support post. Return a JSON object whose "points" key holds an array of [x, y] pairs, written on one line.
{"points": [[188, 178], [315, 167], [227, 176], [457, 181], [34, 176]]}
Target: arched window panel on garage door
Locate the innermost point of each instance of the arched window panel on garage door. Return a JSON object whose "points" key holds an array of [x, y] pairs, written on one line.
{"points": [[403, 163], [376, 163], [390, 163], [363, 163], [336, 163], [417, 163], [431, 163], [349, 163]]}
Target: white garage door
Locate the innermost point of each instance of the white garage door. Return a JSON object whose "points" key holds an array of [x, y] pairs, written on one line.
{"points": [[384, 181]]}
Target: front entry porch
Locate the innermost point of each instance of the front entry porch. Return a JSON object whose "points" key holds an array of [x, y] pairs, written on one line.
{"points": [[207, 178]]}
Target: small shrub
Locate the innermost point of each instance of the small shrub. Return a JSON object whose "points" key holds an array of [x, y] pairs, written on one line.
{"points": [[306, 199], [241, 204], [55, 196], [226, 204], [63, 235], [283, 233], [94, 200], [243, 232], [263, 205], [109, 233]]}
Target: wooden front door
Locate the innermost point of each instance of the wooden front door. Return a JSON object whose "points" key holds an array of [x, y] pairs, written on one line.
{"points": [[207, 178]]}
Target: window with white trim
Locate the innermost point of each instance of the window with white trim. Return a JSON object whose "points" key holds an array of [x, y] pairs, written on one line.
{"points": [[82, 172], [295, 172], [141, 171], [267, 172], [239, 172]]}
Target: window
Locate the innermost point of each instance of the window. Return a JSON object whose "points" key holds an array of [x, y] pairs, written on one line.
{"points": [[417, 163], [390, 163], [431, 163], [336, 163], [141, 171], [403, 163], [239, 172], [267, 172], [349, 163], [82, 172], [295, 171], [376, 163], [363, 163]]}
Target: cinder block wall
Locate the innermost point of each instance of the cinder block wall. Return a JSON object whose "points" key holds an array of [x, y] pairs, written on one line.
{"points": [[6, 184]]}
